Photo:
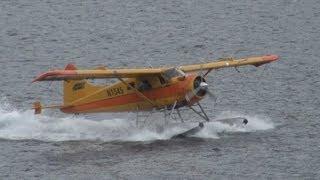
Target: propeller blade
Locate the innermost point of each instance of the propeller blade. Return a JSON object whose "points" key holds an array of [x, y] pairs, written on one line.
{"points": [[211, 95]]}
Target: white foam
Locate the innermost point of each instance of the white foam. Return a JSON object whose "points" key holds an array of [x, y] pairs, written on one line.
{"points": [[15, 124], [256, 123]]}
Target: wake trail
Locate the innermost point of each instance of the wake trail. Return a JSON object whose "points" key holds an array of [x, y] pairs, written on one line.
{"points": [[19, 124]]}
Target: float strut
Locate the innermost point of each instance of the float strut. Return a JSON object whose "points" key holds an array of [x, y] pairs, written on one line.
{"points": [[179, 114], [206, 117]]}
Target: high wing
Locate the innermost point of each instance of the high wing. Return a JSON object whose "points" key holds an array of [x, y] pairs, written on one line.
{"points": [[230, 62], [57, 75], [71, 73]]}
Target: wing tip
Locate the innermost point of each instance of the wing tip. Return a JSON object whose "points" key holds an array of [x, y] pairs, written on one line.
{"points": [[55, 73], [270, 57], [41, 77]]}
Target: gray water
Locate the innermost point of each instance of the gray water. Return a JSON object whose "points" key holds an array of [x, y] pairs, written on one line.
{"points": [[281, 100]]}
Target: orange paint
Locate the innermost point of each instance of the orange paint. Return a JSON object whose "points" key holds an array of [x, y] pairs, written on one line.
{"points": [[176, 91]]}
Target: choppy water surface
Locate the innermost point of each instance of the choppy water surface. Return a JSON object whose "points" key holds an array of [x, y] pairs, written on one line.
{"points": [[281, 100]]}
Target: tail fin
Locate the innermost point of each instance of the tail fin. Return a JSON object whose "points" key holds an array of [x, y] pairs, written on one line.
{"points": [[76, 89]]}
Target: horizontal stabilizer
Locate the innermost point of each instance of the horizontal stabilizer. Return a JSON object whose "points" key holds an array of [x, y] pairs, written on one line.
{"points": [[37, 107]]}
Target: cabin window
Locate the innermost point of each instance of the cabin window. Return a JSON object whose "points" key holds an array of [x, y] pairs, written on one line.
{"points": [[144, 85]]}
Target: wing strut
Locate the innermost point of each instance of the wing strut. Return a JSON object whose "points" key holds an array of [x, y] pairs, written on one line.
{"points": [[139, 93], [206, 74]]}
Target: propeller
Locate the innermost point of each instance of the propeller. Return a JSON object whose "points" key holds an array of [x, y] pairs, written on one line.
{"points": [[205, 86], [201, 88]]}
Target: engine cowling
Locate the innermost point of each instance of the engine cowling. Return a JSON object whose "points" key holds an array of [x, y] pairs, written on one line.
{"points": [[200, 87], [197, 90]]}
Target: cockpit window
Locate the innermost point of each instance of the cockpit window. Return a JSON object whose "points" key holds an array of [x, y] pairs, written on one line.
{"points": [[162, 80], [173, 72]]}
